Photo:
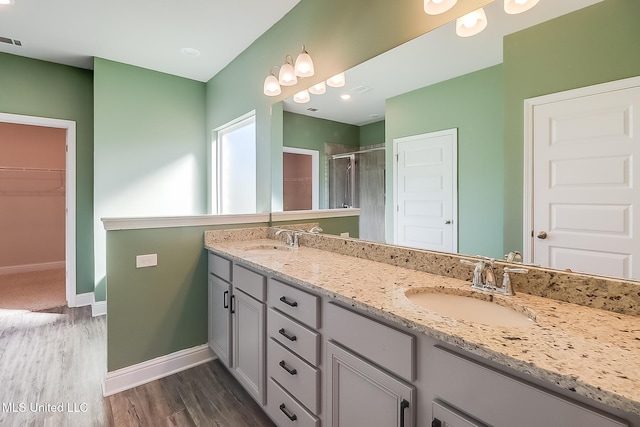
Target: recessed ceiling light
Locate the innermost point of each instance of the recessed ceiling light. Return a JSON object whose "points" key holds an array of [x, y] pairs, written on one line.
{"points": [[345, 96], [187, 51]]}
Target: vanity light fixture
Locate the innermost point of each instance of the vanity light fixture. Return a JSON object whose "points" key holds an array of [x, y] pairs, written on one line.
{"points": [[287, 76], [318, 89], [271, 85], [336, 81], [304, 64], [471, 23], [513, 7], [436, 7], [302, 97], [6, 2]]}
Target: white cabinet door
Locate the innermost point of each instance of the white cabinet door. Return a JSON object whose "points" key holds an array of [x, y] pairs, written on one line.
{"points": [[361, 394], [219, 318], [248, 343]]}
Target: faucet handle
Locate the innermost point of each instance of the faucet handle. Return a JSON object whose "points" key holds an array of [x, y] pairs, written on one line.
{"points": [[513, 256], [507, 288]]}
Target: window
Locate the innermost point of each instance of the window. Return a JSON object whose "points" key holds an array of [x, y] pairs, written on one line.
{"points": [[234, 168]]}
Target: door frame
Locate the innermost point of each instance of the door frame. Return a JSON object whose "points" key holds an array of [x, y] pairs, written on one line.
{"points": [[70, 191], [315, 172], [529, 106], [454, 171]]}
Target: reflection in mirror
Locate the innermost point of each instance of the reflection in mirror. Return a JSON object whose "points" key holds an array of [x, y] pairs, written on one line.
{"points": [[388, 92]]}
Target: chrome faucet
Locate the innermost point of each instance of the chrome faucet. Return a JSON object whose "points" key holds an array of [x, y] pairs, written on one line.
{"points": [[291, 237], [513, 256], [315, 229], [484, 278]]}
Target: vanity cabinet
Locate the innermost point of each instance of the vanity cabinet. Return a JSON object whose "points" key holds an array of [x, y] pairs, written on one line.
{"points": [[363, 361], [293, 355], [499, 399], [237, 322]]}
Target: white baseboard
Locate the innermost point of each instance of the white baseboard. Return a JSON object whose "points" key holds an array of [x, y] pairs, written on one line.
{"points": [[160, 367], [26, 268], [98, 308], [80, 300]]}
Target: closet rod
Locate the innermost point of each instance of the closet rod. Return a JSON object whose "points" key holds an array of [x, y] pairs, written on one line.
{"points": [[14, 169]]}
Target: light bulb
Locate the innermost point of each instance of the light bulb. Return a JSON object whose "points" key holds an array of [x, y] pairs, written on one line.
{"points": [[302, 97], [304, 64], [337, 81], [471, 23], [318, 89], [436, 7], [287, 76], [271, 86], [513, 7]]}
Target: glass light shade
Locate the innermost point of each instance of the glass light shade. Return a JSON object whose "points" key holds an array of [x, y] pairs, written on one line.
{"points": [[271, 86], [318, 89], [304, 65], [302, 97], [471, 23], [436, 7], [287, 76], [337, 81], [513, 7]]}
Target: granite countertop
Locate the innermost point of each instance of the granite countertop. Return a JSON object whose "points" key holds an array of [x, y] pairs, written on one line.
{"points": [[595, 353]]}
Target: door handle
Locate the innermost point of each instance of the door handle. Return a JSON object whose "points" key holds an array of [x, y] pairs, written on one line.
{"points": [[403, 405], [289, 415], [447, 221], [289, 303], [284, 333], [284, 366], [542, 235]]}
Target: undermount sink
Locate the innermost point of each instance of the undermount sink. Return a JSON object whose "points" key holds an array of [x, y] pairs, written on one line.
{"points": [[268, 249], [471, 306]]}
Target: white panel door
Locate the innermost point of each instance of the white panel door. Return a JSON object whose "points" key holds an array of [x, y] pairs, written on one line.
{"points": [[586, 202], [426, 191]]}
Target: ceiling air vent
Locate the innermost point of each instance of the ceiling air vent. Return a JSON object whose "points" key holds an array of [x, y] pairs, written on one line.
{"points": [[7, 40]]}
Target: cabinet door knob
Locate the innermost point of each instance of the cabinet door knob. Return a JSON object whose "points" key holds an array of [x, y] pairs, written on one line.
{"points": [[289, 415], [284, 366], [542, 235], [286, 335], [289, 303]]}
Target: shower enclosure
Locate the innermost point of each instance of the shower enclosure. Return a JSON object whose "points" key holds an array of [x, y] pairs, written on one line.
{"points": [[356, 179]]}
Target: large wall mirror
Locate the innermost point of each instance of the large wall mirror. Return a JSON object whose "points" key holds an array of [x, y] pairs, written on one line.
{"points": [[476, 86]]}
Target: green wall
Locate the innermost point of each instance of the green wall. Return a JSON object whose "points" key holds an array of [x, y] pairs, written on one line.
{"points": [[372, 134], [38, 88], [593, 45], [159, 310], [473, 104], [149, 146]]}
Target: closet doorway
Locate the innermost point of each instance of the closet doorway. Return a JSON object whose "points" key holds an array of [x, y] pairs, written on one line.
{"points": [[37, 213]]}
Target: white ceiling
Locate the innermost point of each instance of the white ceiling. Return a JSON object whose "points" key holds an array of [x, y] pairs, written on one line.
{"points": [[144, 33], [434, 57]]}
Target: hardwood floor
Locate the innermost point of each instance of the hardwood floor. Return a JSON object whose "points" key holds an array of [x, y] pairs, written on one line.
{"points": [[51, 370]]}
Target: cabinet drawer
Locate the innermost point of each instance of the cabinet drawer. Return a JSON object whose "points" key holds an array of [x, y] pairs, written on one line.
{"points": [[501, 400], [285, 411], [298, 304], [219, 266], [388, 347], [298, 377], [296, 337], [250, 282]]}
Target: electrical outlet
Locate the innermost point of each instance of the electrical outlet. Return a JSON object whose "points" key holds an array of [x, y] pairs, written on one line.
{"points": [[345, 234], [148, 260]]}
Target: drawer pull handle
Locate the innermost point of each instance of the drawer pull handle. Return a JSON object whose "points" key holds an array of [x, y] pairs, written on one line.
{"points": [[289, 415], [403, 405], [225, 299], [289, 303], [284, 366], [286, 335]]}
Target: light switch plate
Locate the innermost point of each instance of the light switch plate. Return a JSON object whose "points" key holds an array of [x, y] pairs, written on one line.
{"points": [[148, 260]]}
